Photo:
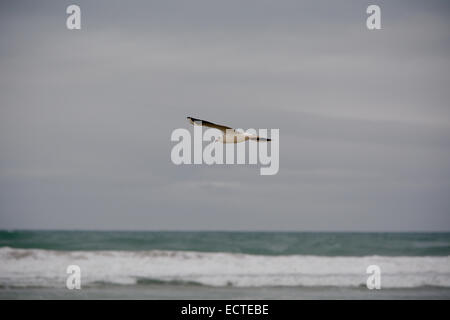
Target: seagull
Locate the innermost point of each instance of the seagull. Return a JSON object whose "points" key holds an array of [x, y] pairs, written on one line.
{"points": [[230, 135]]}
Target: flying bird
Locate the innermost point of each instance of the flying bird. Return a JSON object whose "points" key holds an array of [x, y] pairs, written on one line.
{"points": [[230, 135]]}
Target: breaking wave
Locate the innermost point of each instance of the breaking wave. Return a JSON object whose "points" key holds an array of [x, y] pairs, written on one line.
{"points": [[47, 268]]}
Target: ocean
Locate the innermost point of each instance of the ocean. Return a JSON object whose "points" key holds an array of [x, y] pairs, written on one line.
{"points": [[223, 265]]}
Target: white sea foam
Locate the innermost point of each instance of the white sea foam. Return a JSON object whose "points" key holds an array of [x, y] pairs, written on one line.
{"points": [[36, 267]]}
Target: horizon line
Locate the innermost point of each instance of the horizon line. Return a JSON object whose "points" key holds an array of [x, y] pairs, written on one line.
{"points": [[224, 230]]}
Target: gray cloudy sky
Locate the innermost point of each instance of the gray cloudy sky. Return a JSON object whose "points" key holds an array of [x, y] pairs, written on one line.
{"points": [[86, 116]]}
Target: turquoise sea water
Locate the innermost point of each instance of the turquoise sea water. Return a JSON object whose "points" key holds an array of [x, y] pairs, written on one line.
{"points": [[259, 243], [223, 265]]}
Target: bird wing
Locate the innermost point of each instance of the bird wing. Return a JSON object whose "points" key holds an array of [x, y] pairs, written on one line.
{"points": [[205, 123]]}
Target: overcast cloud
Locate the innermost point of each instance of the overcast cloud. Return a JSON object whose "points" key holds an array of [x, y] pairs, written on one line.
{"points": [[86, 116]]}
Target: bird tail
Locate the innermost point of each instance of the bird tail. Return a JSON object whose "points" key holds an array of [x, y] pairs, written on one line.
{"points": [[260, 139]]}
